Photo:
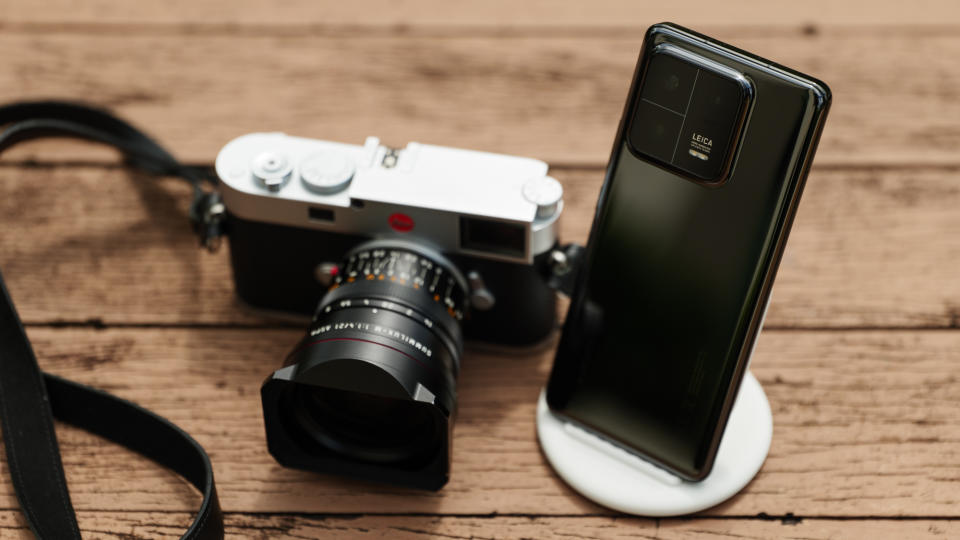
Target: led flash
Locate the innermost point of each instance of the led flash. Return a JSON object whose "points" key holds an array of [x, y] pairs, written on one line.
{"points": [[699, 155]]}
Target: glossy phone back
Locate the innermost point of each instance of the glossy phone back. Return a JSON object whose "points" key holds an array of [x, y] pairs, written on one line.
{"points": [[678, 271]]}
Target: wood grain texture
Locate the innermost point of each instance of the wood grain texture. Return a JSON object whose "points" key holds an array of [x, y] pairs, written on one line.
{"points": [[557, 98], [861, 369], [869, 248], [494, 14], [103, 525], [866, 424]]}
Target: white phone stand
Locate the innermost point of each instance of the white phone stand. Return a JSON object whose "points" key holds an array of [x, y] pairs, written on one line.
{"points": [[614, 478]]}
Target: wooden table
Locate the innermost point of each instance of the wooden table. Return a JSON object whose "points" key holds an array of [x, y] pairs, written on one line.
{"points": [[860, 356]]}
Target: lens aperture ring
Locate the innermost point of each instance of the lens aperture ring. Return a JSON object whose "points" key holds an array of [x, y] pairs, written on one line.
{"points": [[406, 268]]}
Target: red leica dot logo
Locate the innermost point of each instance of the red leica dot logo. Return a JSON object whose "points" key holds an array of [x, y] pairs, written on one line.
{"points": [[400, 222]]}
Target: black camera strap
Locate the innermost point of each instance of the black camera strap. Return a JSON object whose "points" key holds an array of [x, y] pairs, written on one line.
{"points": [[30, 399]]}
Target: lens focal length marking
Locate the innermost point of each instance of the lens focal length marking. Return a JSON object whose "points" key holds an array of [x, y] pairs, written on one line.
{"points": [[377, 303], [375, 329]]}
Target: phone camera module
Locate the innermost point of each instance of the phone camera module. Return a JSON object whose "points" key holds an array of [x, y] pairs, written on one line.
{"points": [[688, 117]]}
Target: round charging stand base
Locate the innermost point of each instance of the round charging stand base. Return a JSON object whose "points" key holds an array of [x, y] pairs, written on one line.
{"points": [[612, 477]]}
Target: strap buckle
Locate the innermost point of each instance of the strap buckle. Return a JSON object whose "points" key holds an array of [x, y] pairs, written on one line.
{"points": [[208, 215], [563, 266]]}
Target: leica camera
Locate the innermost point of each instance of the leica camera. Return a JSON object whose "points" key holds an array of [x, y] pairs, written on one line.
{"points": [[399, 255]]}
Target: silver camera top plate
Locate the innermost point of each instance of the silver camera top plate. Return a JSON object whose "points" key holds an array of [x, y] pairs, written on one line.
{"points": [[460, 201]]}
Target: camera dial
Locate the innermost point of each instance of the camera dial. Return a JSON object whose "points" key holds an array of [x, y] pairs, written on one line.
{"points": [[325, 173]]}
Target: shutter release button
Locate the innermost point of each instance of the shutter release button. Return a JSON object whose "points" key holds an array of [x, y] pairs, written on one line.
{"points": [[272, 169]]}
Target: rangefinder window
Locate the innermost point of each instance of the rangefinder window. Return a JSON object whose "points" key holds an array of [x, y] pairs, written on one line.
{"points": [[688, 117], [493, 237]]}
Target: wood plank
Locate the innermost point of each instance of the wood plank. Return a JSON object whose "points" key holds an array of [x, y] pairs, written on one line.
{"points": [[866, 424], [869, 248], [170, 525], [866, 421], [495, 14], [557, 98]]}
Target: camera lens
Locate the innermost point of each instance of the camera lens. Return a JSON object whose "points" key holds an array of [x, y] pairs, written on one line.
{"points": [[364, 426], [672, 83], [669, 83], [654, 131], [372, 384]]}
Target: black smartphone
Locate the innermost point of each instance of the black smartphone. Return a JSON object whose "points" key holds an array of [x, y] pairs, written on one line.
{"points": [[702, 186]]}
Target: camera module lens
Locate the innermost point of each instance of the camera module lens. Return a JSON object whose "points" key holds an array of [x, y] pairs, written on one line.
{"points": [[672, 83], [669, 82], [654, 131]]}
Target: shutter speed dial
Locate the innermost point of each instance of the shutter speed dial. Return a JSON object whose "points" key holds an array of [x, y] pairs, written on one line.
{"points": [[325, 173]]}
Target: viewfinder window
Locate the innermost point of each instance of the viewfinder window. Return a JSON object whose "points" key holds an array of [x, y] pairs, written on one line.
{"points": [[497, 237]]}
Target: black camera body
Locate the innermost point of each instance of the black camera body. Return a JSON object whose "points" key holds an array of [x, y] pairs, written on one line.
{"points": [[273, 272], [408, 252]]}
